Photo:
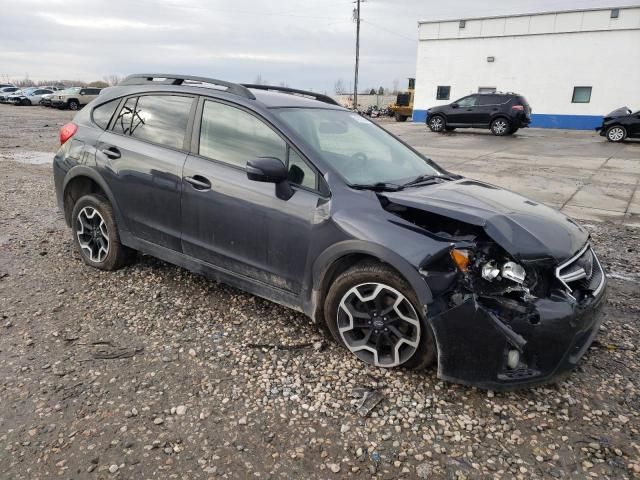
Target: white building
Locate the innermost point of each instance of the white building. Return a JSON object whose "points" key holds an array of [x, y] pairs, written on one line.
{"points": [[572, 66]]}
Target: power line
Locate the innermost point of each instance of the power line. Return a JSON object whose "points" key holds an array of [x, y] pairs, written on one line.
{"points": [[413, 40]]}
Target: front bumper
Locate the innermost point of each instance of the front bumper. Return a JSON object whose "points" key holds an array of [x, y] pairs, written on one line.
{"points": [[474, 340]]}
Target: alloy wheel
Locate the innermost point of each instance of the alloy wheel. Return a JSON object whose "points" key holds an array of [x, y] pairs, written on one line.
{"points": [[616, 134], [93, 235], [436, 124], [500, 127], [378, 324]]}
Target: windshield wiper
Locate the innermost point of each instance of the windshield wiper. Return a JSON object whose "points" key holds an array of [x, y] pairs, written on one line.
{"points": [[378, 187], [425, 179]]}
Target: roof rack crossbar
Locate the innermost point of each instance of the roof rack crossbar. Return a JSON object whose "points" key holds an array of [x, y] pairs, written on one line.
{"points": [[294, 91], [172, 79]]}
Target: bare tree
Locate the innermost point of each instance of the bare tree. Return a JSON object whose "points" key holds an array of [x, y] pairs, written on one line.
{"points": [[112, 79], [339, 87], [284, 84], [259, 80]]}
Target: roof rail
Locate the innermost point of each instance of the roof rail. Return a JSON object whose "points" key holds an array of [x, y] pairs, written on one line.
{"points": [[294, 91], [171, 79]]}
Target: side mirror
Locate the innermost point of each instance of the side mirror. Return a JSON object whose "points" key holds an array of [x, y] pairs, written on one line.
{"points": [[454, 105], [270, 170]]}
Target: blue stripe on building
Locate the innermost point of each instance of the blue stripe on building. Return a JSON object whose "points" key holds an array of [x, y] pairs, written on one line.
{"points": [[544, 120]]}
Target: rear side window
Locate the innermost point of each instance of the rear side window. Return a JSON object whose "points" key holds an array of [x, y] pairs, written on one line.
{"points": [[489, 100], [234, 136], [162, 119], [122, 124], [102, 114]]}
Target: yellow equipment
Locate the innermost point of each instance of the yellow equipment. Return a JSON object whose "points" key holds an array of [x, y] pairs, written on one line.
{"points": [[403, 106]]}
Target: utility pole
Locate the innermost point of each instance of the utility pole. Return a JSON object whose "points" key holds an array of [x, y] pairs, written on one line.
{"points": [[356, 15]]}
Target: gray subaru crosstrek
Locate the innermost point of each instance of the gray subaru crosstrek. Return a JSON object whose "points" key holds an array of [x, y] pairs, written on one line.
{"points": [[287, 195]]}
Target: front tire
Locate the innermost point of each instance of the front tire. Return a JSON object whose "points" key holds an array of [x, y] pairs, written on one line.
{"points": [[372, 312], [95, 234], [400, 118], [436, 124], [616, 134], [500, 127]]}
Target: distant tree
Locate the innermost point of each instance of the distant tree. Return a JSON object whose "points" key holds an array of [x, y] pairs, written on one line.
{"points": [[112, 79], [381, 91], [284, 84], [259, 80], [372, 91], [98, 84], [339, 87]]}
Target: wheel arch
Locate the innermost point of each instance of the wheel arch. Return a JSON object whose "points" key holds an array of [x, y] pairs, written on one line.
{"points": [[81, 180], [342, 256]]}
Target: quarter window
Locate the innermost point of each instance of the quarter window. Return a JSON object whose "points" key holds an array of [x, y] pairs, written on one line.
{"points": [[162, 119], [103, 113], [123, 120], [234, 136], [581, 95], [443, 93]]}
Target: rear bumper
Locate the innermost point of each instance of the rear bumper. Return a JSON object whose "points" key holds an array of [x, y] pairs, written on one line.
{"points": [[474, 341]]}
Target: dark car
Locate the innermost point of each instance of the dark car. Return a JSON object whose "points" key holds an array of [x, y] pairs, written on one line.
{"points": [[620, 124], [287, 195], [502, 113]]}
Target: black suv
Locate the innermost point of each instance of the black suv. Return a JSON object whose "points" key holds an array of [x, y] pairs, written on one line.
{"points": [[503, 113], [287, 195]]}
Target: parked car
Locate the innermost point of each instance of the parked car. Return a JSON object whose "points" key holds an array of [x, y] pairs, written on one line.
{"points": [[502, 113], [32, 97], [620, 124], [4, 85], [23, 91], [5, 92], [287, 195], [74, 98]]}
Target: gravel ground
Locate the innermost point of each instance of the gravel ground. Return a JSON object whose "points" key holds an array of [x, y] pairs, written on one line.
{"points": [[153, 372]]}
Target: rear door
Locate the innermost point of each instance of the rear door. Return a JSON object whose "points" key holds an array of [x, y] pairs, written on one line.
{"points": [[141, 157], [487, 106], [237, 224]]}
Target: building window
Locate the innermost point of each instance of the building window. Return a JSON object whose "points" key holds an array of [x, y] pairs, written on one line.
{"points": [[615, 13], [462, 24], [443, 93], [581, 95]]}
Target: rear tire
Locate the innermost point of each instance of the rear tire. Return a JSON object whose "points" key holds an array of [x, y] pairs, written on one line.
{"points": [[500, 127], [400, 118], [616, 134], [73, 105], [436, 124], [396, 331], [95, 234]]}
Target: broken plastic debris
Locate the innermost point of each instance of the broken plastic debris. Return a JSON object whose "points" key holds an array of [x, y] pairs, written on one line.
{"points": [[368, 399]]}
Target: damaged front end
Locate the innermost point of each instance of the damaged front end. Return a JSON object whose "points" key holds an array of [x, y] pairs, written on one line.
{"points": [[501, 321]]}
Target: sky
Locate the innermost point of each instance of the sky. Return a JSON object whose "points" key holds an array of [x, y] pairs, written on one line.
{"points": [[308, 45]]}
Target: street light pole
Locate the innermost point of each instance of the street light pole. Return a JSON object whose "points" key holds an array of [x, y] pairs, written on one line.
{"points": [[355, 83]]}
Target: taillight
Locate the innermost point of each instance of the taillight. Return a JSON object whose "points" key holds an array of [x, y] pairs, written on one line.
{"points": [[67, 131], [518, 107]]}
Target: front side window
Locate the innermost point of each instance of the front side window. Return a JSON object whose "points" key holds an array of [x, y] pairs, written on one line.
{"points": [[358, 150], [162, 119], [299, 172], [443, 93], [581, 95], [467, 101], [102, 114], [233, 136]]}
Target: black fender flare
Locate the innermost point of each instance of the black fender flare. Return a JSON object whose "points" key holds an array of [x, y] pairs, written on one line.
{"points": [[326, 259], [84, 171]]}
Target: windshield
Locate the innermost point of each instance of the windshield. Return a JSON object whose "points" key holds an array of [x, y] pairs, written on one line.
{"points": [[361, 152]]}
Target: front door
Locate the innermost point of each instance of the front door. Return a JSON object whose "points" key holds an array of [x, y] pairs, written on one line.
{"points": [[237, 224], [463, 113], [141, 158]]}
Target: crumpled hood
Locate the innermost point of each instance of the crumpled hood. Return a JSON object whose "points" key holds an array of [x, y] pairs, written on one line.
{"points": [[527, 230]]}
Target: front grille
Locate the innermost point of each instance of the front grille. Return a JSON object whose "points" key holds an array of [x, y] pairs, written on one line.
{"points": [[582, 272]]}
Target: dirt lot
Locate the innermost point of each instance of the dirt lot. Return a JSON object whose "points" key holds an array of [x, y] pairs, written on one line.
{"points": [[152, 372]]}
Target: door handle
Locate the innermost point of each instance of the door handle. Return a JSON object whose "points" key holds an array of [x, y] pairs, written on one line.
{"points": [[111, 152], [198, 182]]}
